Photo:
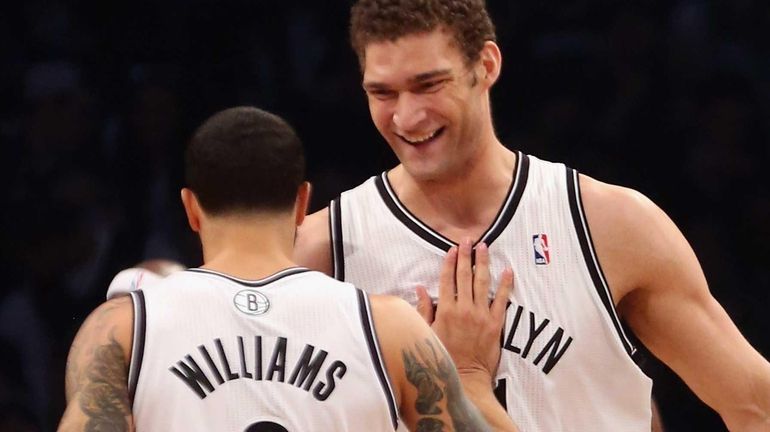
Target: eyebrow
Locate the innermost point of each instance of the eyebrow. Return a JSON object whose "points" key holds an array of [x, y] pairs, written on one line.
{"points": [[425, 76]]}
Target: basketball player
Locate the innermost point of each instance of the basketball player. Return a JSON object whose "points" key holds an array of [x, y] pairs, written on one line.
{"points": [[251, 342], [586, 253]]}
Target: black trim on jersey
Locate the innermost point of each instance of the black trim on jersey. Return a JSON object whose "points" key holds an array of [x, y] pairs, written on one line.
{"points": [[513, 197], [503, 217], [137, 344], [423, 231], [592, 262], [253, 283], [335, 232], [371, 341]]}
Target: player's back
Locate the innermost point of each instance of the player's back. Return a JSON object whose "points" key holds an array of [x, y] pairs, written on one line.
{"points": [[295, 351]]}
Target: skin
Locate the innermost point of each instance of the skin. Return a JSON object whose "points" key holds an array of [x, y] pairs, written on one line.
{"points": [[655, 279], [97, 371], [431, 394]]}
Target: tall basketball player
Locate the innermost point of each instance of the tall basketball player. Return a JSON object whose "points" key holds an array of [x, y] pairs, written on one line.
{"points": [[252, 342], [586, 253]]}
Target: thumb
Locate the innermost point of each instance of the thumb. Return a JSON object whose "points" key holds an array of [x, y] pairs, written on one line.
{"points": [[424, 304]]}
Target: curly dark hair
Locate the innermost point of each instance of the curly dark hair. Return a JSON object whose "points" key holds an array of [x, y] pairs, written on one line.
{"points": [[388, 20]]}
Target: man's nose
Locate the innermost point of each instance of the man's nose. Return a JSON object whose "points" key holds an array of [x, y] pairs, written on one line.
{"points": [[409, 112]]}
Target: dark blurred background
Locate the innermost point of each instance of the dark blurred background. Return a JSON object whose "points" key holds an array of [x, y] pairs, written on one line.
{"points": [[98, 98]]}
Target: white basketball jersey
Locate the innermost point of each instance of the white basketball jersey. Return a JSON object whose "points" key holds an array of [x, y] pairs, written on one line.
{"points": [[296, 351], [566, 364]]}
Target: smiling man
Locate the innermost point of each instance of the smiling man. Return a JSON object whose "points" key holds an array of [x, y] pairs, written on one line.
{"points": [[586, 254]]}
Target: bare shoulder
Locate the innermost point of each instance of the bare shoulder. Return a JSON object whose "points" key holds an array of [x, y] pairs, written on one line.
{"points": [[395, 314], [398, 325], [97, 369], [108, 328], [312, 248], [637, 244], [616, 208]]}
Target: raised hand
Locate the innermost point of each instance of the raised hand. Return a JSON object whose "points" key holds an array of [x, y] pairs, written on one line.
{"points": [[465, 322]]}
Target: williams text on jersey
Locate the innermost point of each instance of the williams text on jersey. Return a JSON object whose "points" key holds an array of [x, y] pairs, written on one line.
{"points": [[302, 372]]}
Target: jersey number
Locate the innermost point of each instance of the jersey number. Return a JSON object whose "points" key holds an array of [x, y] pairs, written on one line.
{"points": [[500, 393], [265, 426]]}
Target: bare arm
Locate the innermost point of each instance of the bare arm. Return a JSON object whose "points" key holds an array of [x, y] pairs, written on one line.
{"points": [[662, 293], [96, 375], [312, 248], [427, 386]]}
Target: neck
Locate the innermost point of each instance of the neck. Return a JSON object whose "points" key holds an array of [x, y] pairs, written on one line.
{"points": [[248, 246], [467, 198]]}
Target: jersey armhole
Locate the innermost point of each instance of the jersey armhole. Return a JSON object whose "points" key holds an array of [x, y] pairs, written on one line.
{"points": [[335, 233], [592, 261], [137, 343], [370, 335]]}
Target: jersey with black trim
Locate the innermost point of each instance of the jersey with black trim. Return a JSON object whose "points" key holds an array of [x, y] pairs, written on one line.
{"points": [[296, 351], [566, 363]]}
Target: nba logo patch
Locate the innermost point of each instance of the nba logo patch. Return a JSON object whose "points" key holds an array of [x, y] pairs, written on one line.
{"points": [[540, 246]]}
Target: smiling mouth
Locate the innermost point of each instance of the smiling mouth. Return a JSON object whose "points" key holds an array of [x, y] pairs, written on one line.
{"points": [[415, 141]]}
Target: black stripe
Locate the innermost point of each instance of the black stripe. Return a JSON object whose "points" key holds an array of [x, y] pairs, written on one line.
{"points": [[504, 216], [137, 351], [501, 221], [429, 236], [335, 231], [369, 334], [586, 244], [257, 283]]}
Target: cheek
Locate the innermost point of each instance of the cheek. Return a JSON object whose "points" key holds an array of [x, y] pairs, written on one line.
{"points": [[380, 117]]}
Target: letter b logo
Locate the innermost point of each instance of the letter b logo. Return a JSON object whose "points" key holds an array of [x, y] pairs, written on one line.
{"points": [[251, 302]]}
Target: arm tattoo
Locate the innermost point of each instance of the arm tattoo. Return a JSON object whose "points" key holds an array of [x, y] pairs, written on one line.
{"points": [[422, 376], [103, 397], [431, 371]]}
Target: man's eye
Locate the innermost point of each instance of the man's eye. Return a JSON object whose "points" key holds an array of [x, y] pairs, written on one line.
{"points": [[382, 94], [431, 86]]}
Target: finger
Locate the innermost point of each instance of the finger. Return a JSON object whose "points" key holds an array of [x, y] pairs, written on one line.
{"points": [[446, 282], [464, 273], [481, 276], [424, 304], [504, 289]]}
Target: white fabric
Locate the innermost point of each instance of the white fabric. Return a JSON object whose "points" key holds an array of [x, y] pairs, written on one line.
{"points": [[130, 280], [192, 312], [594, 385]]}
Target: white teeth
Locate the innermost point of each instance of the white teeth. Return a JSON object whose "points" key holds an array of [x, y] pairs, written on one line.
{"points": [[420, 139]]}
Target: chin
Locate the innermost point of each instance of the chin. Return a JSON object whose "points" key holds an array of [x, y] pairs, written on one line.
{"points": [[423, 173]]}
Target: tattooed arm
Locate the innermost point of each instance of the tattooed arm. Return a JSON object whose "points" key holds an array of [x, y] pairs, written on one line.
{"points": [[426, 384], [96, 375], [424, 379]]}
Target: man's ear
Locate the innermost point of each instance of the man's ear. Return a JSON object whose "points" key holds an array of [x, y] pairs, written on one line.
{"points": [[192, 208], [302, 202], [491, 61]]}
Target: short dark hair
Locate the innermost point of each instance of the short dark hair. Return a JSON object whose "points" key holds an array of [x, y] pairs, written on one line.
{"points": [[388, 20], [244, 159]]}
